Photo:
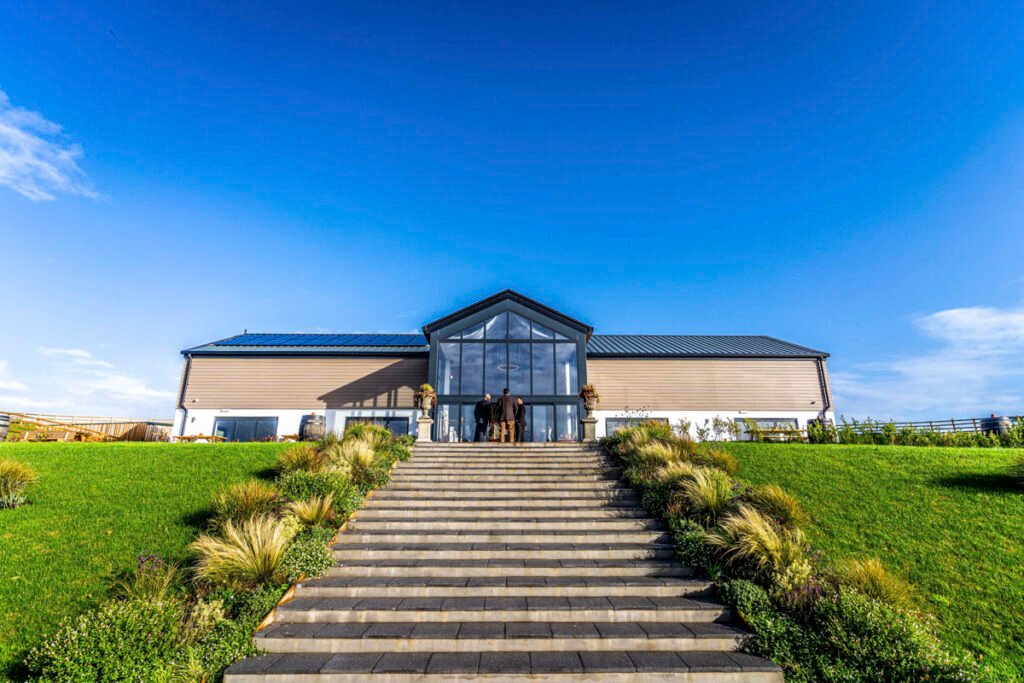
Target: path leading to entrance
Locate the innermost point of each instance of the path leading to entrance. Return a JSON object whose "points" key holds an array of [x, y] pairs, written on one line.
{"points": [[481, 562]]}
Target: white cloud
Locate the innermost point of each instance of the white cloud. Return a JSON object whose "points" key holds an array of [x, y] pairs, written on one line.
{"points": [[7, 382], [977, 368], [35, 159], [76, 356]]}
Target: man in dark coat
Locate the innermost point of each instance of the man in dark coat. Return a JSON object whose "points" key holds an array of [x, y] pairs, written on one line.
{"points": [[520, 420], [482, 418], [507, 416]]}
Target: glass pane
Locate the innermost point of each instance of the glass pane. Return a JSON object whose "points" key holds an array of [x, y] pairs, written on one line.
{"points": [[472, 369], [497, 327], [519, 369], [561, 337], [568, 422], [468, 423], [541, 332], [565, 369], [448, 369], [266, 429], [542, 425], [245, 430], [447, 428], [543, 369], [225, 428], [475, 332], [518, 327], [497, 369]]}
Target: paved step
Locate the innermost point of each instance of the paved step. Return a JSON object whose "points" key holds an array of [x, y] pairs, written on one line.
{"points": [[503, 586], [548, 609], [481, 514], [614, 666], [492, 636], [445, 522], [507, 567], [499, 563]]}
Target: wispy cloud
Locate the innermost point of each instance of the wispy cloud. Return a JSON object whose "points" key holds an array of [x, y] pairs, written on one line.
{"points": [[73, 380], [36, 160], [977, 368]]}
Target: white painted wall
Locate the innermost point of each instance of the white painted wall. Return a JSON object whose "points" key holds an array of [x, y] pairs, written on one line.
{"points": [[200, 421], [697, 417]]}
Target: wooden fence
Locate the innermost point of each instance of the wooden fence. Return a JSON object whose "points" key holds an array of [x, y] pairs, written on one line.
{"points": [[93, 427]]}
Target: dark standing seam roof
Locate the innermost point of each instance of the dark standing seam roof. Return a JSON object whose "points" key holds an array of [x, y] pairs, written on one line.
{"points": [[600, 345]]}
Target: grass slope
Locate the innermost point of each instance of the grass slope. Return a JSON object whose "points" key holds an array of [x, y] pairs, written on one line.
{"points": [[950, 520], [94, 509]]}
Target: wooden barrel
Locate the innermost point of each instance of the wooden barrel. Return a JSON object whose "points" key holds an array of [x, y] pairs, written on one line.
{"points": [[313, 427], [5, 425]]}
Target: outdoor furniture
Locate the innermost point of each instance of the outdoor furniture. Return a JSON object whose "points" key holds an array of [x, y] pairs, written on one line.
{"points": [[195, 438]]}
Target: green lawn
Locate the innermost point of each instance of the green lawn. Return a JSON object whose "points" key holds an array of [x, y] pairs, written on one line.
{"points": [[950, 520], [94, 509]]}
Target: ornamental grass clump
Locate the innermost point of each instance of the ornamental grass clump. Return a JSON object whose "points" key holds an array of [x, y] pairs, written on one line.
{"points": [[376, 435], [15, 478], [356, 458], [716, 458], [652, 457], [708, 494], [777, 556], [315, 510], [305, 457], [871, 578], [244, 500], [773, 502], [150, 579], [246, 555]]}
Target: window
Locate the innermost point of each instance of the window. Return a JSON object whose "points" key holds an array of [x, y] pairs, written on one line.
{"points": [[399, 426], [246, 428], [614, 424]]}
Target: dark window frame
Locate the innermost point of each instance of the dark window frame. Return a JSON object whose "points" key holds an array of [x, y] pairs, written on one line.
{"points": [[381, 420], [247, 419]]}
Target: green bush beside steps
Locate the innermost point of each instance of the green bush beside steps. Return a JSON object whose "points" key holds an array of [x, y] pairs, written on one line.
{"points": [[818, 622]]}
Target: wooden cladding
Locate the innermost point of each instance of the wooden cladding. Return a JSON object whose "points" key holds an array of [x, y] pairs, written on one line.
{"points": [[707, 384], [304, 383]]}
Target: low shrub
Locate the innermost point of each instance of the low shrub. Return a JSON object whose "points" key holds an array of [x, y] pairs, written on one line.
{"points": [[15, 478], [771, 501], [123, 640], [871, 578], [248, 555], [314, 511], [692, 546], [150, 579], [242, 501], [716, 458], [708, 494], [304, 456], [779, 556], [305, 485], [308, 554]]}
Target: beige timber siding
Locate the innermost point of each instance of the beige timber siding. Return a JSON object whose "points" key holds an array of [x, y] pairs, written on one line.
{"points": [[304, 383], [706, 384]]}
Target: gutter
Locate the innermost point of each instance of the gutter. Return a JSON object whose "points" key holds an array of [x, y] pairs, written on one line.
{"points": [[820, 364], [181, 394]]}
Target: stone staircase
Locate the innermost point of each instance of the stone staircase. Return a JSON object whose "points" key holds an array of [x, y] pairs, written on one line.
{"points": [[481, 562]]}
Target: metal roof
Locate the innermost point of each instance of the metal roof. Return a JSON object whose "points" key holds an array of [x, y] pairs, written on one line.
{"points": [[600, 345], [503, 295], [699, 346]]}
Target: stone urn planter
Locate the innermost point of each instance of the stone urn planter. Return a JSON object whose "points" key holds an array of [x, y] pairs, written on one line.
{"points": [[590, 398], [590, 403], [426, 396]]}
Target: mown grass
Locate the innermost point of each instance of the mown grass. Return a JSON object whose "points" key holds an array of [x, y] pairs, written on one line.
{"points": [[949, 520], [95, 508]]}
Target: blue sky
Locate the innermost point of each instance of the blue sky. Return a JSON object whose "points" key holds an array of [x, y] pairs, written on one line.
{"points": [[849, 177]]}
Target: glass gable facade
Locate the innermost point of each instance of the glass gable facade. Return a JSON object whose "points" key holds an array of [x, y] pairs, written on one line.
{"points": [[514, 349]]}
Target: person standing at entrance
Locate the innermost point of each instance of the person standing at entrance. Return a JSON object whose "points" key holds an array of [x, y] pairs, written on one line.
{"points": [[520, 420], [507, 415], [482, 418]]}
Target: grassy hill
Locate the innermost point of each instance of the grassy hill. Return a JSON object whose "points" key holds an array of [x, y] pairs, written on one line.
{"points": [[95, 508], [950, 520]]}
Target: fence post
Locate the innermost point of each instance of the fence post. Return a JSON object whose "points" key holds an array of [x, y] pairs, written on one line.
{"points": [[975, 421], [953, 421]]}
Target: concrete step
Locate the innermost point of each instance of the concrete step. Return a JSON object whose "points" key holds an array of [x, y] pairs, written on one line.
{"points": [[405, 476], [604, 501], [503, 551], [490, 636], [539, 497], [521, 537], [487, 464], [464, 609], [378, 510], [574, 666], [444, 522], [491, 568], [502, 586], [522, 488]]}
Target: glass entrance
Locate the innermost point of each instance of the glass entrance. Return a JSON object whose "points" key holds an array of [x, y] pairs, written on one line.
{"points": [[537, 363]]}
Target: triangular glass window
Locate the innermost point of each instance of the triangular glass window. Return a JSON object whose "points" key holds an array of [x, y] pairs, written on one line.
{"points": [[518, 327], [497, 327]]}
